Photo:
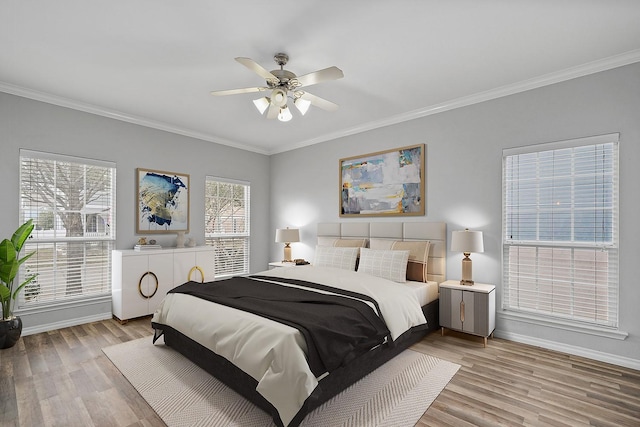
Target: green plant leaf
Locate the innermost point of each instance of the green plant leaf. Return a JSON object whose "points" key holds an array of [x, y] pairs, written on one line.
{"points": [[4, 292], [7, 251], [26, 282], [26, 257], [21, 235], [8, 263], [10, 266], [5, 299]]}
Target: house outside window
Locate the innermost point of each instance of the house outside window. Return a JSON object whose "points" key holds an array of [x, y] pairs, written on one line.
{"points": [[72, 203], [227, 224], [560, 231]]}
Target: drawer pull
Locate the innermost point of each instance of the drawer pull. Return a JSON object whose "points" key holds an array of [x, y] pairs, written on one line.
{"points": [[140, 285], [194, 269]]}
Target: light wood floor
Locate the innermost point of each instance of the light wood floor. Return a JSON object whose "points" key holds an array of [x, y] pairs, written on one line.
{"points": [[62, 378]]}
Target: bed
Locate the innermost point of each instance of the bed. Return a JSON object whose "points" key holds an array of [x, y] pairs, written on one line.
{"points": [[269, 362]]}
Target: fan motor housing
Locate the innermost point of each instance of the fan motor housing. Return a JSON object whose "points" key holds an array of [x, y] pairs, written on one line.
{"points": [[284, 76]]}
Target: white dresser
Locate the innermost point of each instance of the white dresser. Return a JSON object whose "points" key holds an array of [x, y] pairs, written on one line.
{"points": [[141, 279]]}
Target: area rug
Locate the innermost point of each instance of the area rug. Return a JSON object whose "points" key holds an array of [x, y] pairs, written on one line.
{"points": [[184, 395]]}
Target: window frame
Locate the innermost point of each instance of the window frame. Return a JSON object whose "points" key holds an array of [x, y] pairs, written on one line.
{"points": [[100, 243], [230, 238], [544, 316]]}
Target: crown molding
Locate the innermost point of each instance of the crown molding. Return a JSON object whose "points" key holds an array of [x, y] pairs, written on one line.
{"points": [[523, 86], [118, 115], [534, 83]]}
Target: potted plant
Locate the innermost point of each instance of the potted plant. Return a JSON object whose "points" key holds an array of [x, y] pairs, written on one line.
{"points": [[10, 262]]}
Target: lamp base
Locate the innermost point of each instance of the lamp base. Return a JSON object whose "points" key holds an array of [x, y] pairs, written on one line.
{"points": [[287, 253], [466, 270]]}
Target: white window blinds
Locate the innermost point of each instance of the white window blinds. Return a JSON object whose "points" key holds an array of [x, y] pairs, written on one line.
{"points": [[72, 203], [560, 230], [227, 223]]}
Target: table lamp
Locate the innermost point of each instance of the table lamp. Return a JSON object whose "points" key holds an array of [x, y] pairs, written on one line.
{"points": [[466, 242], [286, 236]]}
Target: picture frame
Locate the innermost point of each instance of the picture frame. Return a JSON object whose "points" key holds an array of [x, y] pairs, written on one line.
{"points": [[384, 183], [162, 201]]}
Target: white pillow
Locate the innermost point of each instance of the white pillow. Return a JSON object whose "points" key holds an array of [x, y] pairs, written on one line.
{"points": [[390, 265], [418, 255], [336, 257]]}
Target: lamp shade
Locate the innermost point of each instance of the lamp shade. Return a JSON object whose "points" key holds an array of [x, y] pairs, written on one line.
{"points": [[262, 104], [285, 115], [467, 241], [287, 235], [302, 105]]}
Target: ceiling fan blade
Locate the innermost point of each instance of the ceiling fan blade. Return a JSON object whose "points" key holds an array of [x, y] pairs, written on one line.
{"points": [[331, 73], [256, 68], [237, 91], [273, 112], [319, 102]]}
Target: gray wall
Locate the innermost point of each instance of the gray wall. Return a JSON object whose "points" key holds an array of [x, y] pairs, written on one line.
{"points": [[464, 149], [464, 155], [34, 125]]}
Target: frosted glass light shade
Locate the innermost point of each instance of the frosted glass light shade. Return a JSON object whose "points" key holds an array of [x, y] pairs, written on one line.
{"points": [[261, 104], [302, 105], [285, 114]]}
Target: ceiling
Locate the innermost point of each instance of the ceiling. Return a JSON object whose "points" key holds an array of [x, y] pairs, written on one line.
{"points": [[154, 62]]}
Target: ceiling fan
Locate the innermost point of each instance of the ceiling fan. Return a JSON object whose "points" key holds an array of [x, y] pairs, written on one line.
{"points": [[282, 85]]}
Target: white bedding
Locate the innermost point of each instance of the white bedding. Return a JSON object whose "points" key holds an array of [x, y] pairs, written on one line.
{"points": [[273, 353], [425, 291]]}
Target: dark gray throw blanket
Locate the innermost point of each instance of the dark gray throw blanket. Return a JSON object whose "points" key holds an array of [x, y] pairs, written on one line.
{"points": [[337, 329]]}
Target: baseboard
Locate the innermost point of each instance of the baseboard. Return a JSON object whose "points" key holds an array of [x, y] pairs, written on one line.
{"points": [[569, 349], [66, 323]]}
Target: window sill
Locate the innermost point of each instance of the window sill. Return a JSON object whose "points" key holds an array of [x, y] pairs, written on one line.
{"points": [[62, 305], [565, 325]]}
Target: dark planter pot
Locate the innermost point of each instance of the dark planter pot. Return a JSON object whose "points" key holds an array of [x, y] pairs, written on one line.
{"points": [[10, 331]]}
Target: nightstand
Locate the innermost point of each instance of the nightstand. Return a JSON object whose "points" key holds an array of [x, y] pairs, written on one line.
{"points": [[469, 309], [278, 264]]}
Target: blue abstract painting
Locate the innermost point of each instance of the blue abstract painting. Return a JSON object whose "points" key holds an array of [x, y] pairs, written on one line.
{"points": [[163, 202]]}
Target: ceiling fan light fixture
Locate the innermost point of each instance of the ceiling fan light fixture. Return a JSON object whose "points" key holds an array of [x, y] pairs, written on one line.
{"points": [[279, 97], [285, 114], [262, 104], [302, 105], [284, 84]]}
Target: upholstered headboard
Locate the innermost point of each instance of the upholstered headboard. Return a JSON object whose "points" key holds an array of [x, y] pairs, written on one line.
{"points": [[434, 232]]}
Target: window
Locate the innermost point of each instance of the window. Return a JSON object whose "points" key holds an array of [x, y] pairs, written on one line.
{"points": [[227, 224], [72, 203], [560, 230]]}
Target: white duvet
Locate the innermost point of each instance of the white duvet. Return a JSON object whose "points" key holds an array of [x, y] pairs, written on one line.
{"points": [[273, 353]]}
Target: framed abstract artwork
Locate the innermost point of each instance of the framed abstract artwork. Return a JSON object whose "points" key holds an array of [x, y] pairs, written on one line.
{"points": [[162, 202], [386, 183]]}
